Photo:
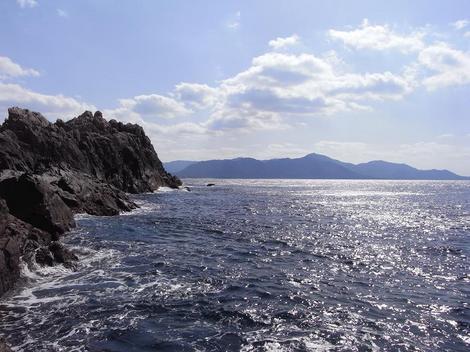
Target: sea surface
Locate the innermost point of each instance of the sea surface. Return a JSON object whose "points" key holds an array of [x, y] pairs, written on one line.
{"points": [[260, 265]]}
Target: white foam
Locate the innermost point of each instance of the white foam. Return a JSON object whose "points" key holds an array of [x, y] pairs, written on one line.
{"points": [[165, 189], [465, 338], [276, 346], [83, 216], [34, 272], [144, 208]]}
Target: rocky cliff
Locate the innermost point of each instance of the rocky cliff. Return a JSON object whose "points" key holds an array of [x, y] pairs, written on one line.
{"points": [[119, 154], [50, 171]]}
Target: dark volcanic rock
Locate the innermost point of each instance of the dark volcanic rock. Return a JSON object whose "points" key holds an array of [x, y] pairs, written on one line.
{"points": [[85, 194], [3, 215], [61, 254], [17, 239], [9, 252], [117, 153], [49, 171], [34, 201]]}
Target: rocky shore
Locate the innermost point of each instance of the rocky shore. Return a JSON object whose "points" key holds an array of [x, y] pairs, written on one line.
{"points": [[51, 171]]}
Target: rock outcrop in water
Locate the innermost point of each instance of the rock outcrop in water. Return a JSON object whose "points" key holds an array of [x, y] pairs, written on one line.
{"points": [[50, 171]]}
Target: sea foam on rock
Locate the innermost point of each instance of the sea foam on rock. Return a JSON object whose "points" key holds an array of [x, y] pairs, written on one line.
{"points": [[51, 171]]}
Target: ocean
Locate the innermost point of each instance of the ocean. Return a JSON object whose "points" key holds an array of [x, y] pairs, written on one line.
{"points": [[259, 265]]}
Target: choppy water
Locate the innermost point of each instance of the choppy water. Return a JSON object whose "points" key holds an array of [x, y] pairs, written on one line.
{"points": [[261, 266]]}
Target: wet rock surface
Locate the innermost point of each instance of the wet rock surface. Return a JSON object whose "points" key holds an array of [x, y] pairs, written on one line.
{"points": [[51, 171]]}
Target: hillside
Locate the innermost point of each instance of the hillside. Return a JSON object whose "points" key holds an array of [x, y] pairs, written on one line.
{"points": [[311, 166]]}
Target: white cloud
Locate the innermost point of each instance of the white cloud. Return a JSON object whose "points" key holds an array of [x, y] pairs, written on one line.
{"points": [[227, 118], [168, 139], [467, 34], [154, 106], [287, 84], [62, 13], [280, 43], [52, 106], [448, 66], [14, 94], [188, 128], [234, 22], [273, 91], [197, 95], [153, 128], [9, 69], [27, 3], [438, 65], [378, 37], [461, 24], [276, 88]]}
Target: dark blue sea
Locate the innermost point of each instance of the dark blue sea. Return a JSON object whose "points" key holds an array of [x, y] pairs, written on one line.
{"points": [[257, 265]]}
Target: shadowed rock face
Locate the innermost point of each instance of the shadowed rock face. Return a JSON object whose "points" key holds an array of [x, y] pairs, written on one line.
{"points": [[17, 239], [33, 200], [49, 171]]}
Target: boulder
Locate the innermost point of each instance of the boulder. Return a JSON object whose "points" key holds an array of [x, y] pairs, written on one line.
{"points": [[34, 201], [62, 255], [85, 194], [55, 253]]}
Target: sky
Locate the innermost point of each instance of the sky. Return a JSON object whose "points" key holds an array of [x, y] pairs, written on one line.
{"points": [[355, 80]]}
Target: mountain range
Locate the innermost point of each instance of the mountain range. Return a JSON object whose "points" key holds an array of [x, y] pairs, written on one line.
{"points": [[311, 166]]}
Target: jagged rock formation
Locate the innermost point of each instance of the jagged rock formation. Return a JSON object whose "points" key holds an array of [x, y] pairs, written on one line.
{"points": [[49, 171], [120, 154]]}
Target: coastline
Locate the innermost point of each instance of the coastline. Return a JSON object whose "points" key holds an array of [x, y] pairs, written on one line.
{"points": [[50, 172]]}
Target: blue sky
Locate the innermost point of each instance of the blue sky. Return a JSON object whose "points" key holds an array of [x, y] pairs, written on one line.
{"points": [[356, 80]]}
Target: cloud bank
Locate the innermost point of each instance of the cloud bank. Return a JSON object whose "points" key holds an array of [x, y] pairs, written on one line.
{"points": [[27, 3]]}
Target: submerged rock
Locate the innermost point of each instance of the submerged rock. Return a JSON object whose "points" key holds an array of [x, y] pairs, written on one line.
{"points": [[49, 171]]}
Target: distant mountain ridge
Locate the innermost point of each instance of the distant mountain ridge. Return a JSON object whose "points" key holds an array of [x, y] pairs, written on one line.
{"points": [[311, 166], [177, 165]]}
